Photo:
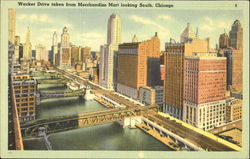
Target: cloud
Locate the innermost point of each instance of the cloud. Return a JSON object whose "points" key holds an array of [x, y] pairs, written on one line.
{"points": [[164, 17], [43, 18], [211, 25], [164, 31]]}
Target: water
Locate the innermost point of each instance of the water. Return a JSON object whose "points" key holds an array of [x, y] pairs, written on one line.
{"points": [[111, 136]]}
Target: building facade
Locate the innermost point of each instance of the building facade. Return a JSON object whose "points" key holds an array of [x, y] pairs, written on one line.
{"points": [[25, 96], [54, 48], [204, 97], [132, 65], [234, 69], [233, 110], [65, 50], [174, 72], [11, 24], [106, 68], [27, 53], [224, 41], [236, 35], [151, 95]]}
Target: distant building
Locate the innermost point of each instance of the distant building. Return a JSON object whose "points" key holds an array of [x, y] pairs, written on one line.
{"points": [[54, 49], [233, 109], [224, 41], [132, 66], [151, 95], [25, 95], [187, 34], [106, 68], [11, 24], [234, 69], [174, 68], [204, 90], [65, 50], [27, 54], [75, 51], [85, 53], [236, 35]]}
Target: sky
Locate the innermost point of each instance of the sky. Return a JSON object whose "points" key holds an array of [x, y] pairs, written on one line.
{"points": [[88, 27]]}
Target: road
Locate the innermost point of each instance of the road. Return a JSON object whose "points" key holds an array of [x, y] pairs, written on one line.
{"points": [[188, 134]]}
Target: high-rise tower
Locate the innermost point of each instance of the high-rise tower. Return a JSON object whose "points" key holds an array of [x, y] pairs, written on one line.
{"points": [[236, 35], [107, 52], [65, 50], [188, 34], [55, 48], [12, 24], [27, 46]]}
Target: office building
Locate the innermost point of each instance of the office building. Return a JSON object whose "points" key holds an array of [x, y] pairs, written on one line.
{"points": [[224, 41], [85, 53], [233, 109], [106, 78], [25, 96], [11, 25], [132, 65], [54, 49], [234, 69], [65, 50], [151, 95], [27, 53], [204, 90], [174, 72], [75, 51], [236, 35]]}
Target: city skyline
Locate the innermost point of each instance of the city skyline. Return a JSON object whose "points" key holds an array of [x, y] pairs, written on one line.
{"points": [[90, 27]]}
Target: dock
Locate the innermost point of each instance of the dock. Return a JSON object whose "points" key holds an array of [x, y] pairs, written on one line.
{"points": [[166, 141], [104, 103]]}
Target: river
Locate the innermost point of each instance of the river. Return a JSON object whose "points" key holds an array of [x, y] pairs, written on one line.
{"points": [[111, 136]]}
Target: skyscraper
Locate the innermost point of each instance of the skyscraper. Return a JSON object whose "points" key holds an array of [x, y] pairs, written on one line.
{"points": [[133, 69], [174, 68], [12, 24], [204, 90], [107, 52], [236, 35], [65, 50], [55, 48], [27, 55], [224, 41], [188, 34]]}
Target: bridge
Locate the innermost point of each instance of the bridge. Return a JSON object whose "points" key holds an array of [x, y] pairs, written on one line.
{"points": [[181, 132], [63, 123], [52, 81]]}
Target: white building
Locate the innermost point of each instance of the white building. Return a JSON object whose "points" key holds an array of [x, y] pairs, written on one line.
{"points": [[205, 116], [65, 50], [27, 53], [107, 52], [54, 47]]}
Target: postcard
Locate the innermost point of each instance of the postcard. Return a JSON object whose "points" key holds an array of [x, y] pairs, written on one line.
{"points": [[124, 79]]}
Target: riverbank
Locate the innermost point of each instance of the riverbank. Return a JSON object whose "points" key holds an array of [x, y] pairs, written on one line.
{"points": [[168, 142]]}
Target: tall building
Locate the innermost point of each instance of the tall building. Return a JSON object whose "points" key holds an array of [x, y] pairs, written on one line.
{"points": [[236, 35], [65, 50], [132, 65], [25, 95], [27, 54], [224, 41], [174, 68], [12, 24], [188, 34], [54, 48], [17, 44], [234, 69], [205, 90], [107, 52], [85, 53], [75, 51]]}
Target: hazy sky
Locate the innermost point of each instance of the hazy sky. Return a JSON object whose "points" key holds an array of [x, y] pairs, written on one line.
{"points": [[88, 27]]}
